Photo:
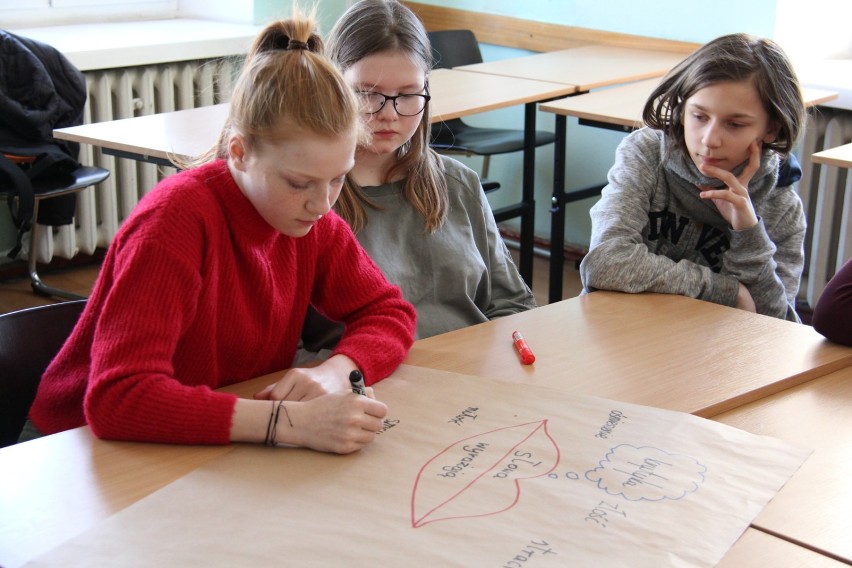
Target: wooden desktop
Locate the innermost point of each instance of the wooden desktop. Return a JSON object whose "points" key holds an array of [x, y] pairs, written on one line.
{"points": [[814, 509], [654, 349], [664, 351], [840, 156]]}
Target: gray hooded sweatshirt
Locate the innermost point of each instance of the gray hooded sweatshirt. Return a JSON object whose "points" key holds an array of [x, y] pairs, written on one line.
{"points": [[652, 232]]}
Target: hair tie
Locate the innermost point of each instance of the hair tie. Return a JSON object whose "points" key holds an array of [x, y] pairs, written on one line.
{"points": [[294, 44]]}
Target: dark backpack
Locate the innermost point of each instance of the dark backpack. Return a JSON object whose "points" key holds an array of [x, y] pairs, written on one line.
{"points": [[39, 90]]}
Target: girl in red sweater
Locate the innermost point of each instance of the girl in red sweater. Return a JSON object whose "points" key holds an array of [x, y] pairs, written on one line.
{"points": [[208, 281]]}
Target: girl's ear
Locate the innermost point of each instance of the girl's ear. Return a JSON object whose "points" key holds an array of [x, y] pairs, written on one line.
{"points": [[771, 134], [237, 152]]}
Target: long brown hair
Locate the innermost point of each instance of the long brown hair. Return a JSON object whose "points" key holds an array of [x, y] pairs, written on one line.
{"points": [[374, 26], [734, 57], [286, 77]]}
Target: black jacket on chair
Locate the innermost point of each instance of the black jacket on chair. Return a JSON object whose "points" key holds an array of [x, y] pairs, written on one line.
{"points": [[39, 90]]}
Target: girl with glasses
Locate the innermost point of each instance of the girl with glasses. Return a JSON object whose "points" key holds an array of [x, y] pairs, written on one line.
{"points": [[208, 282], [422, 217]]}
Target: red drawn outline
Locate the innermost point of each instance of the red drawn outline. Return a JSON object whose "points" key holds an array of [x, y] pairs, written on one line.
{"points": [[417, 523]]}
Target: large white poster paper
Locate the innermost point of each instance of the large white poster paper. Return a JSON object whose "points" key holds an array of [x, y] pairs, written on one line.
{"points": [[467, 472]]}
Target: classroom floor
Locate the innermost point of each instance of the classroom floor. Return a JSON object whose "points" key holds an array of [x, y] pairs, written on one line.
{"points": [[16, 294]]}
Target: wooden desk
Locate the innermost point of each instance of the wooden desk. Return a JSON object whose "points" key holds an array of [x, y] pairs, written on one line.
{"points": [[620, 107], [668, 351], [74, 482], [457, 93], [158, 138], [840, 156], [659, 350], [758, 549], [814, 508], [617, 108], [153, 138], [187, 133], [588, 67], [57, 487]]}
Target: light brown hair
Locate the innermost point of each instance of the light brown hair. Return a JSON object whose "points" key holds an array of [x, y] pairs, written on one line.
{"points": [[375, 26]]}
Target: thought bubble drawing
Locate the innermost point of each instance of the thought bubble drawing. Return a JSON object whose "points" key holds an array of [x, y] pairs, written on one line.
{"points": [[647, 474], [480, 475]]}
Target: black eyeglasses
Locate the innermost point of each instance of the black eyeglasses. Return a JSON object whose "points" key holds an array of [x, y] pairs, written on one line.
{"points": [[405, 104]]}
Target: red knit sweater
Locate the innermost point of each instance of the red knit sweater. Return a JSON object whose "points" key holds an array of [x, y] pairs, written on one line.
{"points": [[196, 292]]}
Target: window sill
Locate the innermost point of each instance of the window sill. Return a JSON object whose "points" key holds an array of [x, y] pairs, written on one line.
{"points": [[832, 75], [125, 44]]}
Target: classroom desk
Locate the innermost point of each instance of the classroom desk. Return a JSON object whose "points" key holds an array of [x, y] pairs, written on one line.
{"points": [[758, 549], [659, 350], [617, 108], [57, 487], [73, 482], [588, 67], [814, 508], [620, 107], [668, 351], [157, 138], [840, 156], [102, 478], [184, 133]]}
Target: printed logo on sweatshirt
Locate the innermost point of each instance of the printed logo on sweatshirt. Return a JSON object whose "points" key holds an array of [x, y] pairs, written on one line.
{"points": [[709, 242]]}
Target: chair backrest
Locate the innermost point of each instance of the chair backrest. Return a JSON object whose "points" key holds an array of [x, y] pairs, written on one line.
{"points": [[29, 339], [451, 48]]}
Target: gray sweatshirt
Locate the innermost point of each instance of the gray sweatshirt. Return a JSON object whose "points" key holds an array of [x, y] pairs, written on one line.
{"points": [[460, 275], [651, 232]]}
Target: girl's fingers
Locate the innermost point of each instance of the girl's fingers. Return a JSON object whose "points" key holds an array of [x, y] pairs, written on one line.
{"points": [[737, 184], [264, 394], [753, 164], [724, 176]]}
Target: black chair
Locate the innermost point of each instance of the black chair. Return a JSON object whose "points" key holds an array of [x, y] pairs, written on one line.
{"points": [[452, 48], [29, 339], [41, 90], [78, 180]]}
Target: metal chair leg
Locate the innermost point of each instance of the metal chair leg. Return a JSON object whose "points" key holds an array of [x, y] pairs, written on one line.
{"points": [[38, 286]]}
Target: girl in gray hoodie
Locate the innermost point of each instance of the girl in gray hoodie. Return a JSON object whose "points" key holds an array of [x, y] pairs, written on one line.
{"points": [[700, 202]]}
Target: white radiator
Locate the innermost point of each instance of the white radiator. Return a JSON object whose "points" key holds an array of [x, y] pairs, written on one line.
{"points": [[826, 192], [124, 93]]}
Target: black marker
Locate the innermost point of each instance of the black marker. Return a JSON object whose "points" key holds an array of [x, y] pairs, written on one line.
{"points": [[357, 380]]}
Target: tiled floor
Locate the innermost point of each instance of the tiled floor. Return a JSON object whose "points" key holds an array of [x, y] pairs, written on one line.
{"points": [[16, 294]]}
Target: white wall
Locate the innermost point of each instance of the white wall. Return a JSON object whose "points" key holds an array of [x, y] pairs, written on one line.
{"points": [[236, 11], [821, 28]]}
